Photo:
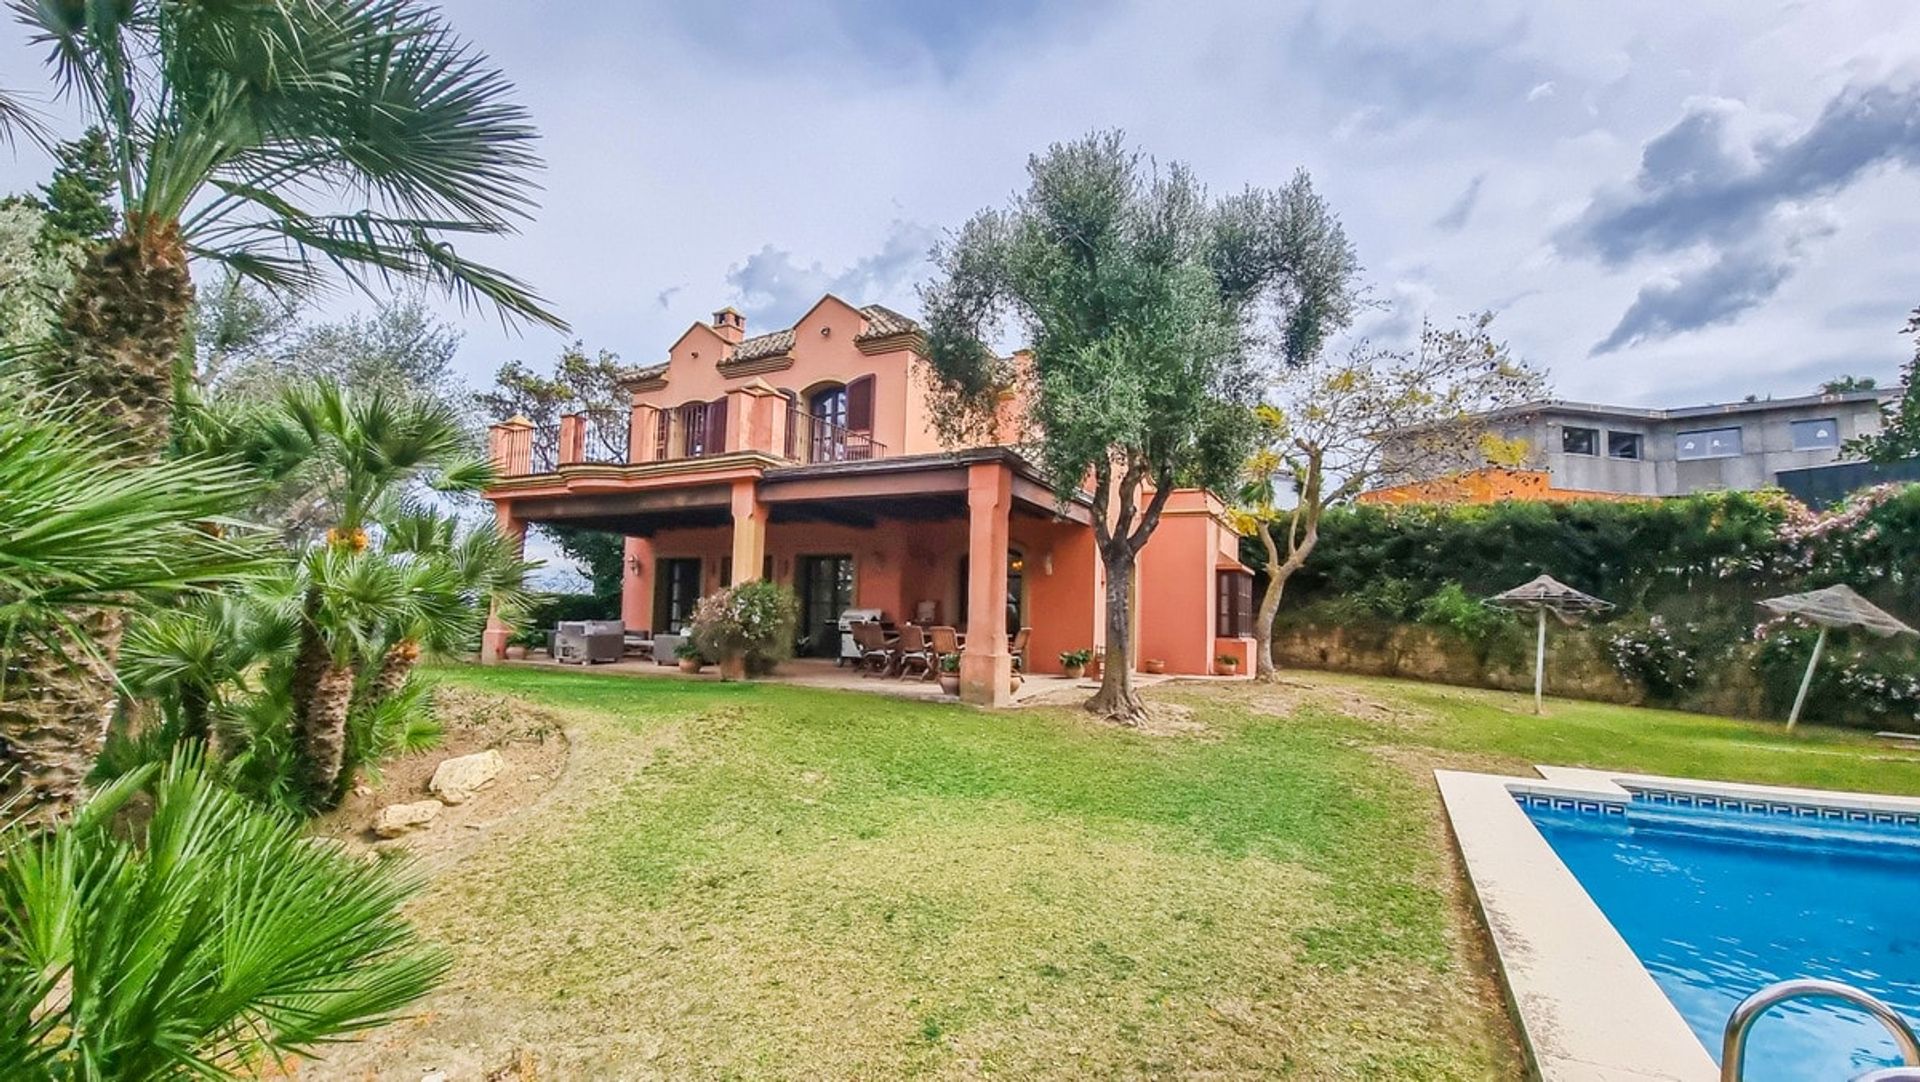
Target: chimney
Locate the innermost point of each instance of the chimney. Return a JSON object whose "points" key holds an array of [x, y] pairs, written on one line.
{"points": [[731, 325]]}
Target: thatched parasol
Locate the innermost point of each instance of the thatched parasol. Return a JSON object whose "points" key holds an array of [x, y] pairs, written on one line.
{"points": [[1543, 595], [1831, 607]]}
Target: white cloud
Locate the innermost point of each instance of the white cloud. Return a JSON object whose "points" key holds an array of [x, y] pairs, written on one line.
{"points": [[686, 147]]}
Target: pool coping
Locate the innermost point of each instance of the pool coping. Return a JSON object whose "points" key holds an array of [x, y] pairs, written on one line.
{"points": [[1587, 1010]]}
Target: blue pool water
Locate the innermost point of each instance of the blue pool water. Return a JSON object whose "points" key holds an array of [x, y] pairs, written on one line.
{"points": [[1719, 903]]}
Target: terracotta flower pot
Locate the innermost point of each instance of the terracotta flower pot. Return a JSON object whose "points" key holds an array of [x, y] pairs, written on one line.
{"points": [[950, 683], [1154, 666], [516, 653], [691, 664], [733, 668], [1075, 672], [1229, 670]]}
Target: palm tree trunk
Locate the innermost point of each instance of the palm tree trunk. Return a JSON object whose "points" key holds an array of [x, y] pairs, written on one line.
{"points": [[125, 320], [54, 712], [121, 333], [322, 739], [395, 666]]}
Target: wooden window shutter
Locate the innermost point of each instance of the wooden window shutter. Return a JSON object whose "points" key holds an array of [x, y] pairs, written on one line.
{"points": [[663, 435], [1244, 605], [860, 405], [717, 426], [1222, 606]]}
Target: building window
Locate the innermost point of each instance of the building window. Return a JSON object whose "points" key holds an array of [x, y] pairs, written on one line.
{"points": [[676, 590], [1580, 441], [1820, 435], [1707, 443], [1623, 445], [1233, 604]]}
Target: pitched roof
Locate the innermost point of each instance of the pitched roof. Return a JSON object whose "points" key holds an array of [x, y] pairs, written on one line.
{"points": [[882, 322]]}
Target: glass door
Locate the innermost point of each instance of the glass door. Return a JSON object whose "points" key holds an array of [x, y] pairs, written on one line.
{"points": [[826, 591]]}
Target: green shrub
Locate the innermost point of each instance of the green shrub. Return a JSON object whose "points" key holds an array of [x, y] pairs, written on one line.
{"points": [[1071, 658], [753, 622], [1451, 607]]}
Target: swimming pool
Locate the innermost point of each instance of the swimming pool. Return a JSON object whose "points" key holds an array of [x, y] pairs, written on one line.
{"points": [[1720, 898]]}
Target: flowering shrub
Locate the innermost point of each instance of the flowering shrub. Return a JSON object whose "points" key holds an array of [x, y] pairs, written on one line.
{"points": [[1860, 678], [751, 622], [1650, 652]]}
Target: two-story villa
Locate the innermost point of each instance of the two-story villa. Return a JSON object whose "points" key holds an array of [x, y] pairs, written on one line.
{"points": [[808, 456]]}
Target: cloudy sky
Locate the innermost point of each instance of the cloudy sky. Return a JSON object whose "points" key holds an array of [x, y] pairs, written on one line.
{"points": [[1667, 203]]}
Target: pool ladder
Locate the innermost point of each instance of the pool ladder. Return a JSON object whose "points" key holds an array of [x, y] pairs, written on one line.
{"points": [[1733, 1045]]}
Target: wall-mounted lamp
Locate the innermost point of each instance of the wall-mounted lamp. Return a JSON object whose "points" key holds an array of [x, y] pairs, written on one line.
{"points": [[1046, 563]]}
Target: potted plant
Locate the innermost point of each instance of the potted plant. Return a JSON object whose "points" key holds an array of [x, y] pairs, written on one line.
{"points": [[1229, 664], [747, 628], [1074, 662], [519, 643], [950, 673], [1154, 666], [689, 655]]}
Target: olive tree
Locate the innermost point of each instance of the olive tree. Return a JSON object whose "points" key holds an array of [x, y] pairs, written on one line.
{"points": [[1335, 426], [1142, 300]]}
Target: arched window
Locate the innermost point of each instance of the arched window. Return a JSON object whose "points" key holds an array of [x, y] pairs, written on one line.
{"points": [[827, 424]]}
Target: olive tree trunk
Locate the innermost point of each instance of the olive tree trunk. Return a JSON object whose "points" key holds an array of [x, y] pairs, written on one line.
{"points": [[1117, 698]]}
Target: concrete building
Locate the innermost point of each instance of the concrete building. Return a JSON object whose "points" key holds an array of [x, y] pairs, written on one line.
{"points": [[1624, 450]]}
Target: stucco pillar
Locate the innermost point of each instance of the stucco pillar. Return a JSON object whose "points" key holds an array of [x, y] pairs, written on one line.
{"points": [[643, 433], [749, 531], [510, 447], [986, 669], [573, 439], [636, 584], [493, 641]]}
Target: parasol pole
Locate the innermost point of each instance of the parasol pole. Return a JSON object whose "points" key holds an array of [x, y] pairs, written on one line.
{"points": [[1806, 681], [1540, 662]]}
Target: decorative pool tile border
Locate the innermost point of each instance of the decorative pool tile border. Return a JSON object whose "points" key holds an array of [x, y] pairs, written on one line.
{"points": [[1556, 802], [1680, 798]]}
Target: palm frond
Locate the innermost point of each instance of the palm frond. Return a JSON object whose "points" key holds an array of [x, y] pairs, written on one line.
{"points": [[219, 936]]}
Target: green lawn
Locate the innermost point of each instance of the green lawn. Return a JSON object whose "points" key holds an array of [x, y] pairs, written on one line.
{"points": [[746, 881]]}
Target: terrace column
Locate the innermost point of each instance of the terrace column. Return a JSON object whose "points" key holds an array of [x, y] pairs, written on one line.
{"points": [[493, 642], [636, 584], [986, 669], [749, 531]]}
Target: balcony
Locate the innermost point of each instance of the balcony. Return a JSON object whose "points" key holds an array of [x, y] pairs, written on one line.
{"points": [[742, 422]]}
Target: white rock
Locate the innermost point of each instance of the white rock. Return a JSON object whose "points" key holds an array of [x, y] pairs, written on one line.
{"points": [[397, 819], [456, 780]]}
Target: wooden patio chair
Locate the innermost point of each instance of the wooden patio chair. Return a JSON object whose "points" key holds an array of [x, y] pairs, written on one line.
{"points": [[1018, 648], [914, 656], [945, 641], [876, 657]]}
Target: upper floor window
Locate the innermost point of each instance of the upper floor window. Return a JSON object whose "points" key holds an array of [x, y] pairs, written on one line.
{"points": [[1707, 443], [1580, 441], [1819, 435], [829, 406], [1623, 445], [837, 425]]}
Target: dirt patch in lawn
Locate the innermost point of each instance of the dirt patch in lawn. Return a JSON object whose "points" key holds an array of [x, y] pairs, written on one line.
{"points": [[533, 742]]}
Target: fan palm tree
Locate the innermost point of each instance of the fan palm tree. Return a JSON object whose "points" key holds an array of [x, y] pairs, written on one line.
{"points": [[238, 130], [83, 536], [215, 942]]}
